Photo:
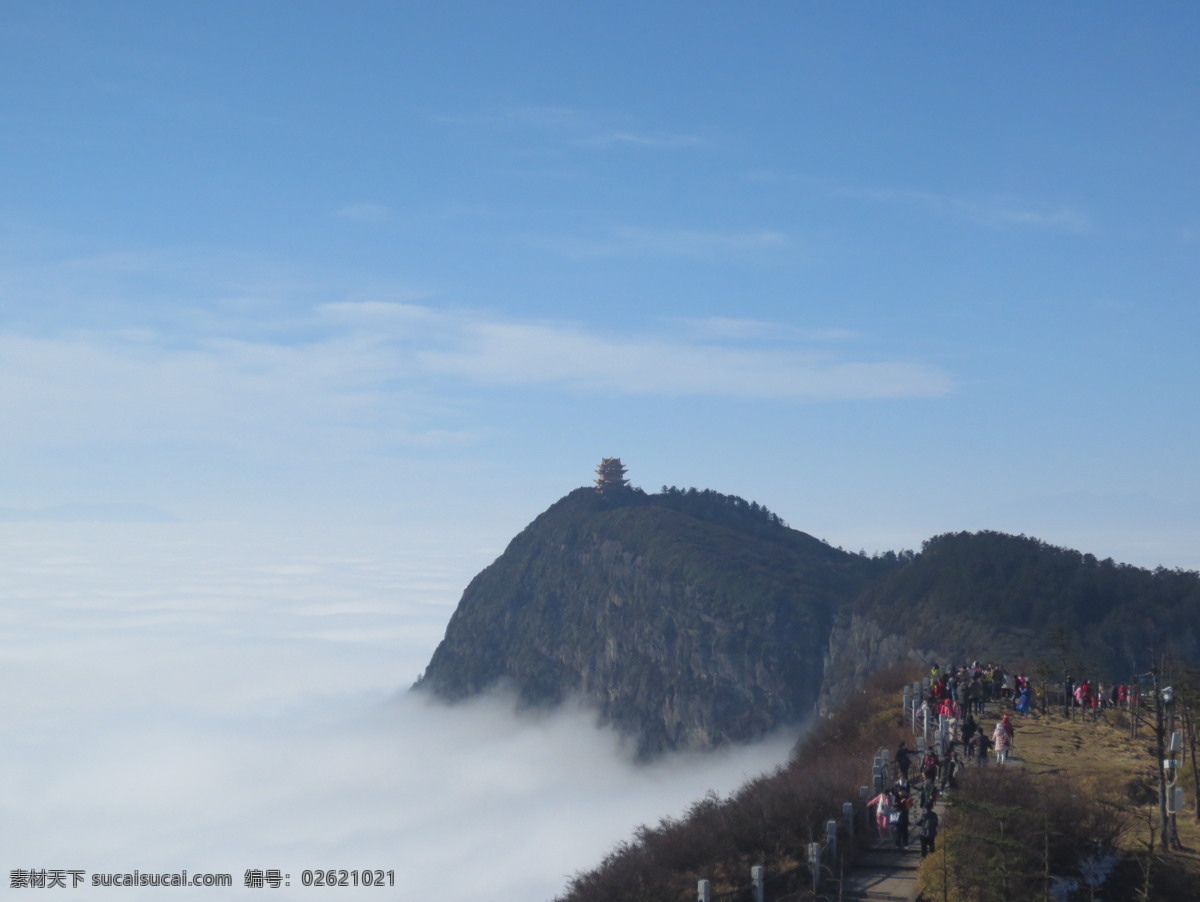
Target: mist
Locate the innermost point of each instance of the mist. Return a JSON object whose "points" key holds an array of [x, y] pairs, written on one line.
{"points": [[218, 699]]}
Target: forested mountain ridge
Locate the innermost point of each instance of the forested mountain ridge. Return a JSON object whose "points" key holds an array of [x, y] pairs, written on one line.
{"points": [[690, 619], [1019, 600]]}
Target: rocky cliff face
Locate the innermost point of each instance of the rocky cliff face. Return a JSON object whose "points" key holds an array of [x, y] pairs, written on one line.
{"points": [[860, 646], [686, 623]]}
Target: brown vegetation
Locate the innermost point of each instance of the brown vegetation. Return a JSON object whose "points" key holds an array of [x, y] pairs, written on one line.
{"points": [[1079, 788], [1075, 790], [768, 822]]}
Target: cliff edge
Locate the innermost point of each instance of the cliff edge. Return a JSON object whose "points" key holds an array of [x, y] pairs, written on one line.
{"points": [[686, 619]]}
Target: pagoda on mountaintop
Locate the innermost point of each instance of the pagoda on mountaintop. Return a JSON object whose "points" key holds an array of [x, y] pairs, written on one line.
{"points": [[610, 476]]}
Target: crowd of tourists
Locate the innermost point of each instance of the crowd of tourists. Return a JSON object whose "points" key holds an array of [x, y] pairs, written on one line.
{"points": [[893, 807], [1095, 697], [959, 698]]}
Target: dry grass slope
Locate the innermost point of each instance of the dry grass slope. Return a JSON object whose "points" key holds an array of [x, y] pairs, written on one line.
{"points": [[1097, 762]]}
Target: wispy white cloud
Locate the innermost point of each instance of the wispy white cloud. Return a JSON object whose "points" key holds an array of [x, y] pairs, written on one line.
{"points": [[690, 243], [583, 128], [512, 353], [371, 214], [722, 327], [660, 141], [633, 241], [1062, 218], [121, 262], [374, 312], [992, 212], [717, 357], [87, 513], [95, 389]]}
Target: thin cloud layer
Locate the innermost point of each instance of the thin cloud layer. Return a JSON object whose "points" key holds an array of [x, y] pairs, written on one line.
{"points": [[993, 213], [990, 212], [729, 328], [580, 128], [100, 389], [370, 375], [503, 353], [718, 357], [635, 241], [369, 214]]}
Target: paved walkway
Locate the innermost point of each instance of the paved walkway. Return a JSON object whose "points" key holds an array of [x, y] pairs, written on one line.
{"points": [[885, 874]]}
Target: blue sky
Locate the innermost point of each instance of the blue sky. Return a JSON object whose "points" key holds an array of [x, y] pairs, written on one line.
{"points": [[891, 270]]}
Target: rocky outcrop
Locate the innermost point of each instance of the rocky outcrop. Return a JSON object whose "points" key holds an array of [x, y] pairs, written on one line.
{"points": [[684, 625], [860, 646]]}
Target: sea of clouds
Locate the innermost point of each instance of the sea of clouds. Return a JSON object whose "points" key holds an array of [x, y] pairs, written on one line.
{"points": [[218, 699]]}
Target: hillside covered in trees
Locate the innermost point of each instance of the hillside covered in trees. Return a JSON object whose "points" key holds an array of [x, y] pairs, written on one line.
{"points": [[989, 595], [691, 619]]}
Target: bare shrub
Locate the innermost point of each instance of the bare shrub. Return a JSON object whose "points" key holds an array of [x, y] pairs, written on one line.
{"points": [[769, 821], [1008, 832]]}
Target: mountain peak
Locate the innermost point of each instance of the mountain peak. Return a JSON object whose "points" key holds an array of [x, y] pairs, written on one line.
{"points": [[689, 619]]}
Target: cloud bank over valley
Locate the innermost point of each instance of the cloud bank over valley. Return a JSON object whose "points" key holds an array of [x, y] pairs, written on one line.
{"points": [[192, 699]]}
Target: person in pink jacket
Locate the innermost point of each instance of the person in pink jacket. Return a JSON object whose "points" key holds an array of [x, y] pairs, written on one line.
{"points": [[1001, 742], [883, 814]]}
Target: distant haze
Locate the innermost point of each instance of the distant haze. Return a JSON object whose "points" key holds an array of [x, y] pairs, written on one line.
{"points": [[87, 513]]}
